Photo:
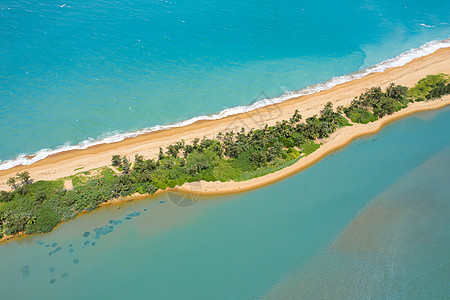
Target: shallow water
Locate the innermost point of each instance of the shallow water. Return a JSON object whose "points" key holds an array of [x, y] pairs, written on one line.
{"points": [[73, 70], [396, 248], [376, 207]]}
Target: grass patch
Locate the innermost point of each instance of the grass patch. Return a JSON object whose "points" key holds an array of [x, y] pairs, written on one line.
{"points": [[360, 115], [421, 91], [309, 147], [279, 165]]}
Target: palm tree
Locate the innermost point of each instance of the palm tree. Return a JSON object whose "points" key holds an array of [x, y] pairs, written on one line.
{"points": [[138, 158], [31, 220], [172, 150], [296, 117], [180, 145], [116, 161], [161, 154], [12, 183], [24, 177], [219, 136], [125, 165]]}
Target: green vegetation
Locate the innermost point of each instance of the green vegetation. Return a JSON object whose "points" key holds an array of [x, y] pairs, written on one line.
{"points": [[430, 87], [375, 104], [40, 206]]}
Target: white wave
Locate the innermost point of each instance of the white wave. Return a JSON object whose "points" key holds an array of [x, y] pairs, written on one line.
{"points": [[398, 61], [427, 26]]}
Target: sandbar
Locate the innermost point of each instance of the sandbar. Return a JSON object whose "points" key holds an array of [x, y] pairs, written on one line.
{"points": [[69, 163]]}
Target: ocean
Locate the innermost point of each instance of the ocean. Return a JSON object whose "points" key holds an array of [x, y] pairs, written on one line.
{"points": [[78, 73], [369, 221]]}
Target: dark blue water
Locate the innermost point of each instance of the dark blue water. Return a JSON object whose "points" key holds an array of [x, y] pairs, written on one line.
{"points": [[374, 213], [74, 70]]}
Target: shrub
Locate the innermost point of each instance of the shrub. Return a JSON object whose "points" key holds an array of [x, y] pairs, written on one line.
{"points": [[359, 115], [6, 196], [386, 106], [46, 220], [438, 91], [398, 92], [424, 86], [196, 162]]}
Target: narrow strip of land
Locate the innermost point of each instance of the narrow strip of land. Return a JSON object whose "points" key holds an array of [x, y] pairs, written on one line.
{"points": [[339, 139], [69, 163]]}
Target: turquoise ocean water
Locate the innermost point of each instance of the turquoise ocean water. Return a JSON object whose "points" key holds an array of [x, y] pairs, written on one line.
{"points": [[370, 221], [73, 72]]}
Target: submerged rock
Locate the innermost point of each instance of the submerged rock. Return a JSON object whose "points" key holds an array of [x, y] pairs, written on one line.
{"points": [[25, 271]]}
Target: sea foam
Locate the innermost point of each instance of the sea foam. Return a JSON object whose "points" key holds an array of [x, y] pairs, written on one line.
{"points": [[397, 61]]}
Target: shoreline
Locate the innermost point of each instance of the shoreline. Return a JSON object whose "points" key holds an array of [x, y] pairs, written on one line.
{"points": [[341, 138], [398, 61], [68, 163], [345, 136]]}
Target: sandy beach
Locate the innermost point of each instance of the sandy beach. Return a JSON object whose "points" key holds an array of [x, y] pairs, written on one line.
{"points": [[69, 163]]}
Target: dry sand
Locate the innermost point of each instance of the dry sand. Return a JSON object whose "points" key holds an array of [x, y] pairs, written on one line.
{"points": [[64, 164]]}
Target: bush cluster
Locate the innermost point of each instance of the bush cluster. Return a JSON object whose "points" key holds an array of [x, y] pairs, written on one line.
{"points": [[375, 104]]}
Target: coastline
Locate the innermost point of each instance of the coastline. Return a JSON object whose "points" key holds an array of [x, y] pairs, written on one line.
{"points": [[68, 163], [398, 61], [340, 139], [408, 75]]}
